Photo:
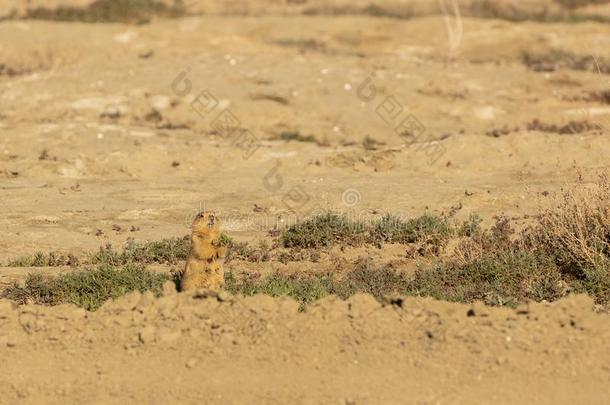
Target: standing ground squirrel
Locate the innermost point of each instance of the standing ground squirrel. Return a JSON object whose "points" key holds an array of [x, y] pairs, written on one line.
{"points": [[204, 264]]}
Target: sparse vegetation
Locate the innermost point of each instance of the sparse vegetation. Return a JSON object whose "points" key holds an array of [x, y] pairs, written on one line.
{"points": [[544, 13], [302, 288], [88, 289], [370, 143], [368, 10], [577, 230], [563, 12], [426, 227], [122, 11], [166, 251], [555, 59], [329, 229], [296, 136], [41, 259], [9, 71], [566, 249], [306, 288], [302, 44], [573, 4], [324, 231], [243, 251], [602, 96], [503, 278], [571, 128]]}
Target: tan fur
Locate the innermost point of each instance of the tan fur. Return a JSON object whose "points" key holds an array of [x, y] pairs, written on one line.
{"points": [[204, 264]]}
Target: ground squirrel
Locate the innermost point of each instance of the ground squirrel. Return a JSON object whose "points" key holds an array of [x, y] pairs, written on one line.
{"points": [[204, 264]]}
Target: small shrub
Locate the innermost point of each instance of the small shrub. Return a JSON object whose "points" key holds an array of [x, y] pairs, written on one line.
{"points": [[471, 227], [370, 143], [596, 282], [577, 230], [496, 240], [86, 288], [379, 282], [296, 136], [428, 233], [324, 231]]}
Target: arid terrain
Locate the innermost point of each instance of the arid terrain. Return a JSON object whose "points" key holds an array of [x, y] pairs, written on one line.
{"points": [[269, 113]]}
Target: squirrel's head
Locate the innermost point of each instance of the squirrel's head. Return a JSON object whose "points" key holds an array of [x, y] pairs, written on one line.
{"points": [[206, 225]]}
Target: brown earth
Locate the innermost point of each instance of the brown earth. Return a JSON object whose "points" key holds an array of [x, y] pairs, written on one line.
{"points": [[262, 350], [98, 129]]}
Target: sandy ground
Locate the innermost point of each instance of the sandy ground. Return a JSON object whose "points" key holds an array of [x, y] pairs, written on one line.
{"points": [[112, 106], [112, 131], [262, 350]]}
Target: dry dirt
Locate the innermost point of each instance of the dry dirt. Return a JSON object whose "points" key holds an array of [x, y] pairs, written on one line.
{"points": [[262, 350], [98, 129]]}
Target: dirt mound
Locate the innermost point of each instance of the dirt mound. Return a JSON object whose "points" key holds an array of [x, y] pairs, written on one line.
{"points": [[208, 347]]}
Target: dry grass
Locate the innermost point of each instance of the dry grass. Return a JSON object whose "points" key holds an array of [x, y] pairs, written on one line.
{"points": [[572, 237], [577, 228]]}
